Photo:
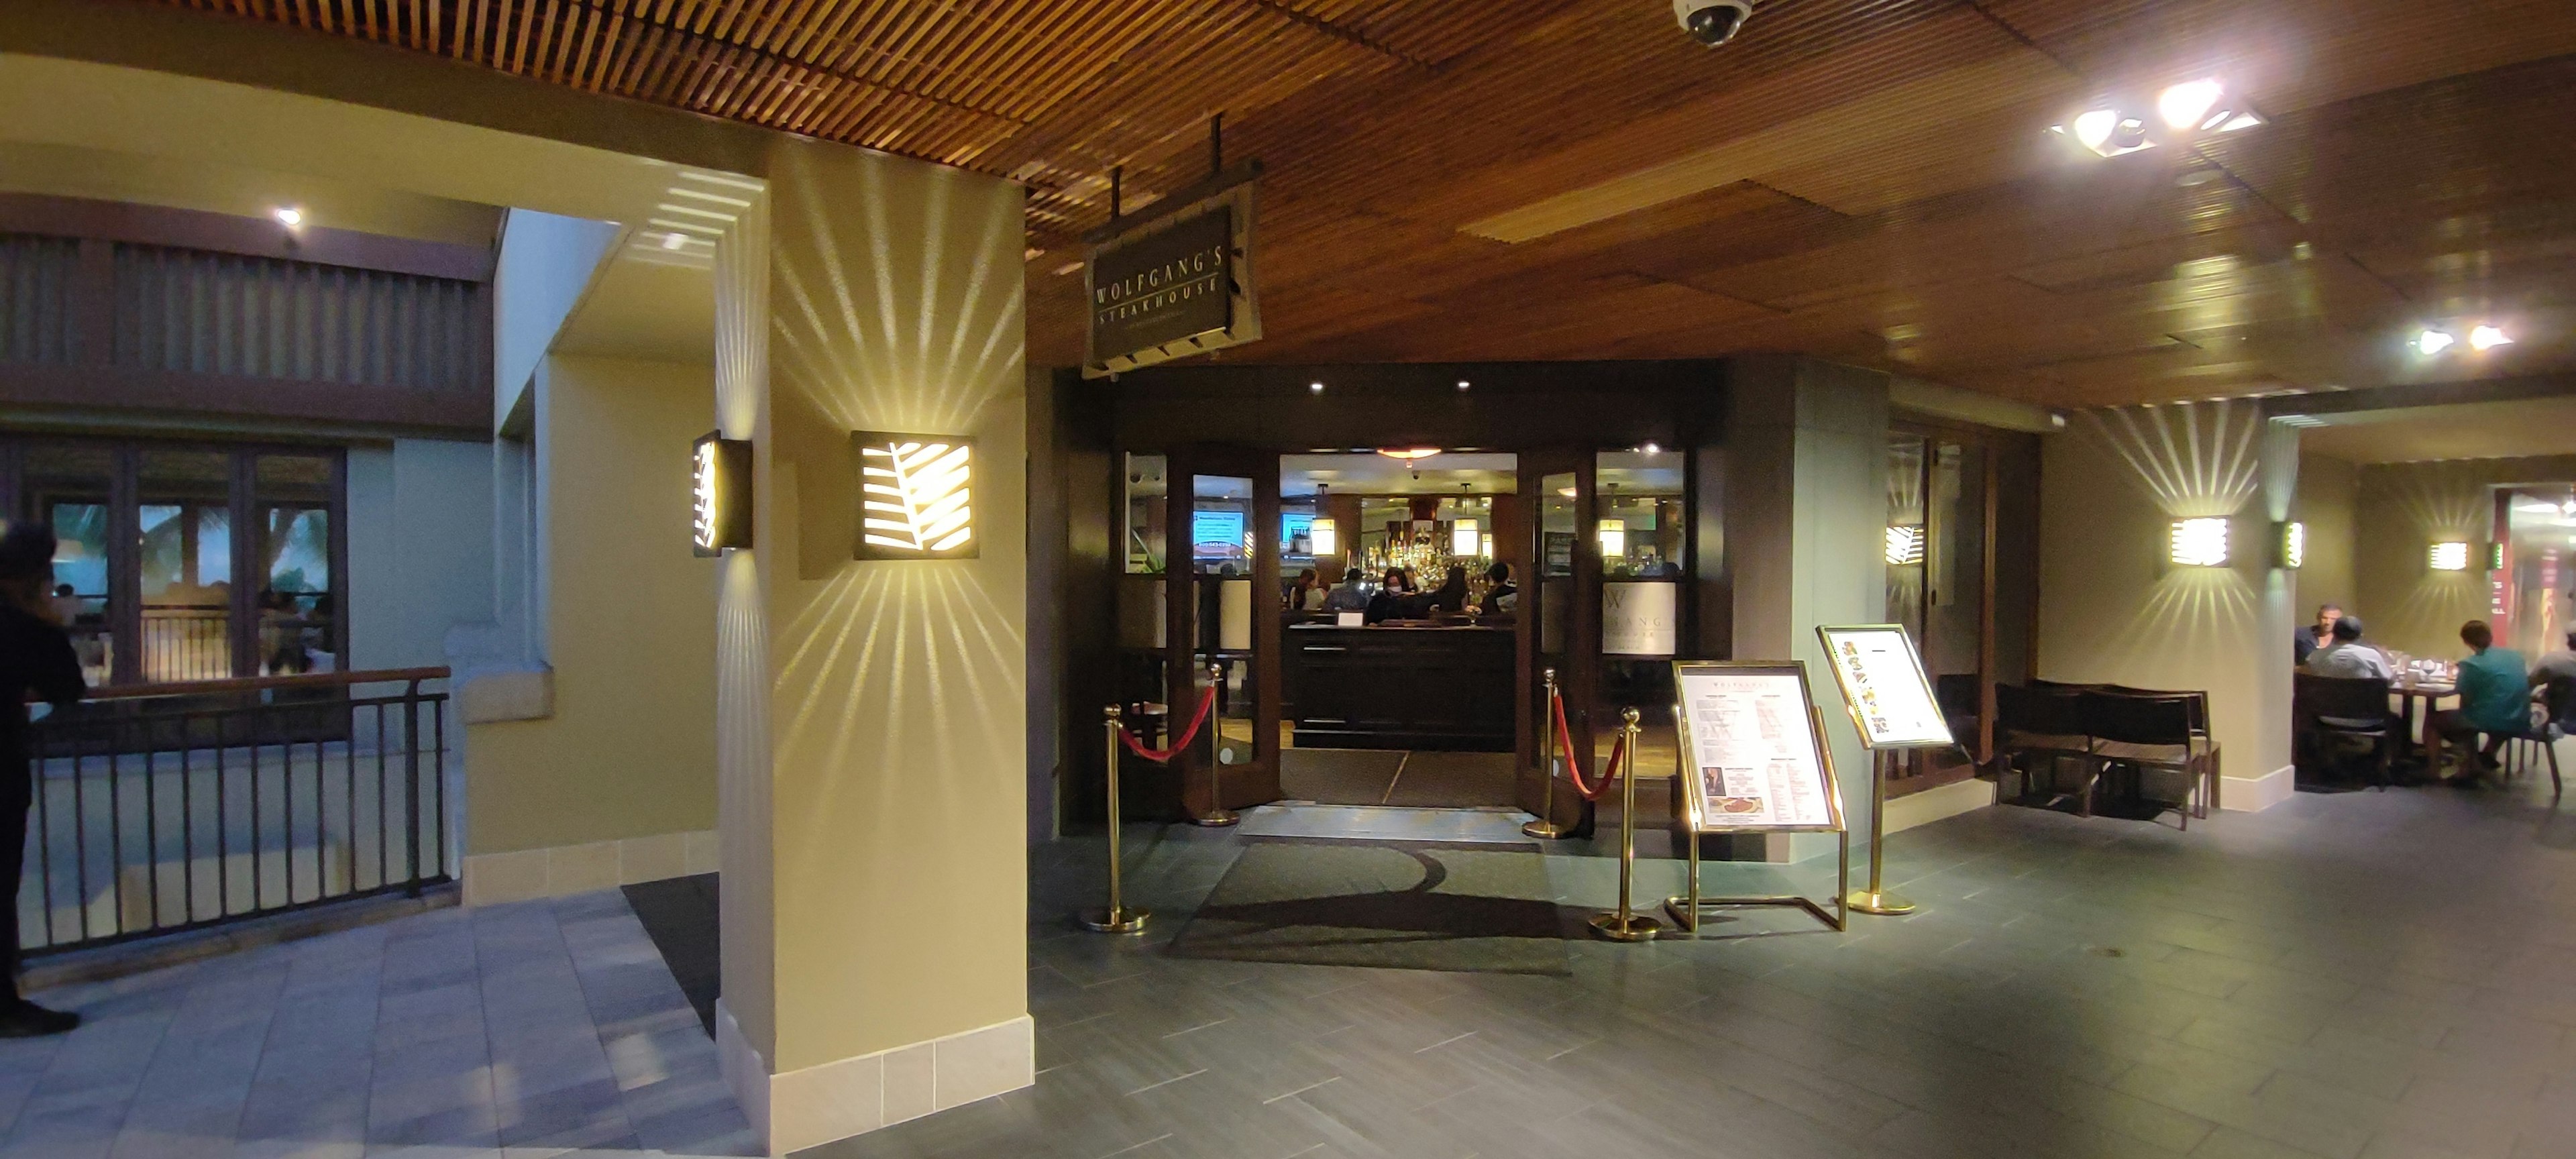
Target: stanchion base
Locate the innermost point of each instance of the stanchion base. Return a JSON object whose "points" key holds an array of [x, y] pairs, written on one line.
{"points": [[1633, 928], [1127, 920], [1217, 819], [1881, 902], [1545, 830]]}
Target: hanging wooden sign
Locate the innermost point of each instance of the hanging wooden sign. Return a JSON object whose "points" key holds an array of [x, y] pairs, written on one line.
{"points": [[1176, 283]]}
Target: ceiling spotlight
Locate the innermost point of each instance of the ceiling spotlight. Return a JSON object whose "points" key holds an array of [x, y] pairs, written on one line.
{"points": [[288, 216], [2240, 121], [2186, 104], [672, 241], [1652, 449], [2487, 337], [1408, 454], [1314, 388], [1462, 384], [2433, 342]]}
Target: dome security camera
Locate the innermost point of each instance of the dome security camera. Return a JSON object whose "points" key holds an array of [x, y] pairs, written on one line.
{"points": [[1712, 22]]}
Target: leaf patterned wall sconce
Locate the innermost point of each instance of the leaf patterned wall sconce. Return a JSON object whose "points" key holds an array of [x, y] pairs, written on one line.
{"points": [[916, 496]]}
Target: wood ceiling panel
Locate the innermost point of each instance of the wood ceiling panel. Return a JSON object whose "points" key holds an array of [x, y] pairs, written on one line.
{"points": [[1864, 180]]}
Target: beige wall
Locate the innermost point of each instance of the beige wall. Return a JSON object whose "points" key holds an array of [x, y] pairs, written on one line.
{"points": [[2113, 610], [630, 749], [2327, 491], [896, 748], [2400, 510]]}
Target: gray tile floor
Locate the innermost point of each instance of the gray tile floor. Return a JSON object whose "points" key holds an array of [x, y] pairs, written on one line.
{"points": [[2363, 976], [511, 1032]]}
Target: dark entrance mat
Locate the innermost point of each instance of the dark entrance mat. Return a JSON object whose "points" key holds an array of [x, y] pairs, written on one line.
{"points": [[1337, 776], [1454, 780], [1411, 905]]}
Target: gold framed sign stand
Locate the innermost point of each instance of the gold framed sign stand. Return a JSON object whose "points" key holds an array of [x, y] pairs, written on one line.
{"points": [[1893, 709], [1688, 909]]}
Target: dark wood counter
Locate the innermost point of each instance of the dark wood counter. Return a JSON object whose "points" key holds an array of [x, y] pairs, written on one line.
{"points": [[1400, 687]]}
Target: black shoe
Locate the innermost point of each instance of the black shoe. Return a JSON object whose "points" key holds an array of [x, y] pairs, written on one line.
{"points": [[28, 1020]]}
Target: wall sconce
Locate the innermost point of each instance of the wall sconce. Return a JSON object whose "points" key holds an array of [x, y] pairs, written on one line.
{"points": [[916, 496], [719, 494], [2449, 555], [1463, 540], [2289, 545], [1614, 538], [1487, 543], [2199, 542], [1319, 538], [1905, 545]]}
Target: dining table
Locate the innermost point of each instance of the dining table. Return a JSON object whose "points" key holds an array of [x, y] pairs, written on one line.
{"points": [[2408, 691]]}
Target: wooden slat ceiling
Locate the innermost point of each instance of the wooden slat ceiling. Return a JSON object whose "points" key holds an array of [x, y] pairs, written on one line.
{"points": [[1863, 180]]}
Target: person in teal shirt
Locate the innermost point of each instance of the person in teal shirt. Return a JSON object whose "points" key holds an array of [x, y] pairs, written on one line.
{"points": [[2495, 699]]}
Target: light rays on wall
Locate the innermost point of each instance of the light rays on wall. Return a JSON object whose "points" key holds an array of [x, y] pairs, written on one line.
{"points": [[2199, 460]]}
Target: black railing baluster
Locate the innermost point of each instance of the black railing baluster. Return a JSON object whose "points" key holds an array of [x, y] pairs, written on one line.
{"points": [[438, 723], [152, 827], [37, 759], [411, 777], [258, 848], [321, 845], [384, 794], [80, 838], [223, 824], [187, 824], [349, 763]]}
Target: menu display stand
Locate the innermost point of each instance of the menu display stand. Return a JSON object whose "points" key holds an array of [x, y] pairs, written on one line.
{"points": [[1752, 759], [1892, 705]]}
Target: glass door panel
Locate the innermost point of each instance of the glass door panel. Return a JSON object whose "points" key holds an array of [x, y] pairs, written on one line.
{"points": [[69, 485], [184, 564], [298, 615], [1223, 546]]}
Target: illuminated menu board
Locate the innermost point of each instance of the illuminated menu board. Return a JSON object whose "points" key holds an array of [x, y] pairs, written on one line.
{"points": [[1751, 755], [1882, 680]]}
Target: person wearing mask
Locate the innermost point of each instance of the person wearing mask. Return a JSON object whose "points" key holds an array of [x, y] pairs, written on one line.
{"points": [[1308, 594], [1451, 599], [2313, 636], [2343, 654], [1500, 596], [1347, 596], [2495, 699], [1389, 602], [36, 661]]}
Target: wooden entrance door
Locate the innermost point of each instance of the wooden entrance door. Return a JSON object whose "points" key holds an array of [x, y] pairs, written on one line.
{"points": [[1560, 622]]}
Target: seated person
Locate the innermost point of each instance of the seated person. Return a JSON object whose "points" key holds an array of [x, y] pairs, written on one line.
{"points": [[1393, 601], [2310, 637], [1501, 597], [2553, 665], [1347, 596], [2343, 654], [1451, 598], [2495, 698]]}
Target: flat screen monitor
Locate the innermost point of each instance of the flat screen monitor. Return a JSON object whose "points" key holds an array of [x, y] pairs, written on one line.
{"points": [[1216, 533]]}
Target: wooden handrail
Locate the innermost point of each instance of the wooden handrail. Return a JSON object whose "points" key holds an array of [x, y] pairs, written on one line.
{"points": [[261, 683]]}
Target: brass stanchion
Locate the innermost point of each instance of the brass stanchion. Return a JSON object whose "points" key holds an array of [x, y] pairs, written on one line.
{"points": [[1876, 899], [1546, 828], [1626, 925], [1217, 815], [1117, 918]]}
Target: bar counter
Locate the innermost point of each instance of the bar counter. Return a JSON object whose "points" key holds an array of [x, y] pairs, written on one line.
{"points": [[1400, 686]]}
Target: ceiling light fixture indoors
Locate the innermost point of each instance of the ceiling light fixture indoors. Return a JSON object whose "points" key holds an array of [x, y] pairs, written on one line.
{"points": [[2121, 124], [2484, 337], [2433, 342], [1408, 454], [288, 216]]}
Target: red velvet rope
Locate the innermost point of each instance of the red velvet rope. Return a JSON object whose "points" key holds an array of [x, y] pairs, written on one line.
{"points": [[1183, 741], [1574, 770]]}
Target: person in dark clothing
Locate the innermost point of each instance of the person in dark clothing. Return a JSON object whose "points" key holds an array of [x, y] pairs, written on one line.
{"points": [[36, 661], [1395, 600], [1452, 596], [1500, 594]]}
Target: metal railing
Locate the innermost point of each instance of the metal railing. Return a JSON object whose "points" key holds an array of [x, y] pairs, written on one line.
{"points": [[170, 807]]}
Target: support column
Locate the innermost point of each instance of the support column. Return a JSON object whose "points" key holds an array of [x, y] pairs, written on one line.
{"points": [[872, 742], [2114, 608], [1806, 517]]}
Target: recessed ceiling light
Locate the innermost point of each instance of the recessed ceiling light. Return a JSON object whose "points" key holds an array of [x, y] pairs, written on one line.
{"points": [[2487, 337], [2183, 105], [1067, 268], [1462, 384], [1314, 388], [2433, 342], [672, 241], [288, 216]]}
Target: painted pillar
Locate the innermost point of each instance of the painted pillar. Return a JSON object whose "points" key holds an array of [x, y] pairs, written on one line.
{"points": [[2115, 609], [872, 741], [1806, 518]]}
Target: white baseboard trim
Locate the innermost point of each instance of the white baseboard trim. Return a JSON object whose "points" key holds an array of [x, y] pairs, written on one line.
{"points": [[2255, 794], [1934, 804], [557, 871], [853, 1096]]}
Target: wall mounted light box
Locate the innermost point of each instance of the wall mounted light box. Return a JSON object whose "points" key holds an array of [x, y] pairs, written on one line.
{"points": [[719, 494], [2199, 542], [2449, 555], [916, 496], [2289, 545]]}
